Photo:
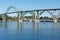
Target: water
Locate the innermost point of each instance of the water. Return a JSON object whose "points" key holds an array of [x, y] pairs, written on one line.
{"points": [[29, 31]]}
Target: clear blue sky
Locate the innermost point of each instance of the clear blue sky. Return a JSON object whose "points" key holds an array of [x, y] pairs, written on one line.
{"points": [[29, 4]]}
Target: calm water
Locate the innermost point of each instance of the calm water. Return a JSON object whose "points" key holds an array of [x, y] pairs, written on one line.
{"points": [[29, 31]]}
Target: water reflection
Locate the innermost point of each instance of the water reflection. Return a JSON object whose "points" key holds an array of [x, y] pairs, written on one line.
{"points": [[35, 25], [20, 30], [20, 25], [54, 32], [4, 31], [4, 24], [30, 31], [55, 24], [35, 30]]}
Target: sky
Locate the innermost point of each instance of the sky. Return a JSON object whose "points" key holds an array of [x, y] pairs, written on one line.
{"points": [[28, 4]]}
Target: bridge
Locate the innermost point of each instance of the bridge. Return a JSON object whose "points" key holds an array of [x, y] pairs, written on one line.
{"points": [[36, 14]]}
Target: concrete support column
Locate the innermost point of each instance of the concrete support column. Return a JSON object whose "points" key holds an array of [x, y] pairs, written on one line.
{"points": [[35, 23], [19, 21], [4, 19], [36, 16], [55, 19], [19, 17]]}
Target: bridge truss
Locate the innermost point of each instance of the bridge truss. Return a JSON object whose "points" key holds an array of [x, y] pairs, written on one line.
{"points": [[54, 13]]}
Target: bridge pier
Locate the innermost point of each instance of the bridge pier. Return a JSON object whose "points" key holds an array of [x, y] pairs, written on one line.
{"points": [[19, 21], [4, 19], [36, 17], [55, 20], [36, 20], [19, 17]]}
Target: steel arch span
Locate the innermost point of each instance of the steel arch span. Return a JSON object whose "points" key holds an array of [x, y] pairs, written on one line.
{"points": [[11, 7]]}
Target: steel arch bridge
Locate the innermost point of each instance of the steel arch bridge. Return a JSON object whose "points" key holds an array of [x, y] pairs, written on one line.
{"points": [[35, 13]]}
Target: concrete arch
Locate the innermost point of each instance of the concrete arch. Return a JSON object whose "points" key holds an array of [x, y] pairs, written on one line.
{"points": [[50, 13], [11, 7], [24, 13]]}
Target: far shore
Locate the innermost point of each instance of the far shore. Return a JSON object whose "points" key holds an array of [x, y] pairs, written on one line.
{"points": [[29, 21]]}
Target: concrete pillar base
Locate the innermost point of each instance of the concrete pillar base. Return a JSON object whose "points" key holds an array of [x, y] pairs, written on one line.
{"points": [[55, 20]]}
